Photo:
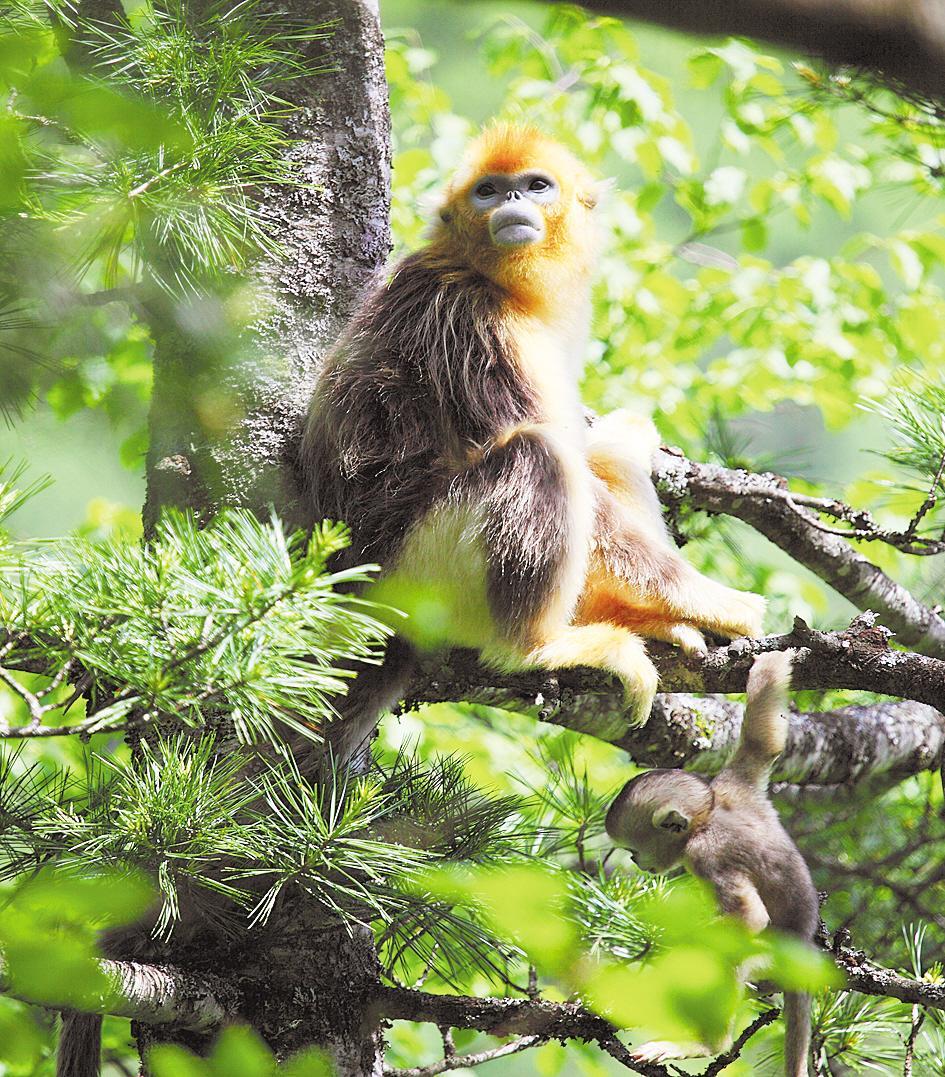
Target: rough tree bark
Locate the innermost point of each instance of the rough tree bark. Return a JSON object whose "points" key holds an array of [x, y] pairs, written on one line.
{"points": [[222, 425], [223, 435]]}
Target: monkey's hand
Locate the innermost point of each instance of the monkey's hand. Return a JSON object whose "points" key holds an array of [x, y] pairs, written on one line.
{"points": [[663, 1050]]}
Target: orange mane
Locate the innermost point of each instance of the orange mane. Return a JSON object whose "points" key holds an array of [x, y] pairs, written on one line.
{"points": [[544, 276]]}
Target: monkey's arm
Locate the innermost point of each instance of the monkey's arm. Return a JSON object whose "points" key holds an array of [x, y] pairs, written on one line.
{"points": [[735, 893]]}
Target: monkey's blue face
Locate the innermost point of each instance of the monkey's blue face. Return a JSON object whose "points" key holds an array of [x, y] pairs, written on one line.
{"points": [[513, 203]]}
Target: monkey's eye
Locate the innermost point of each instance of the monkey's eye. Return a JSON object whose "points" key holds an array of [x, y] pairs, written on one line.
{"points": [[539, 184], [485, 190]]}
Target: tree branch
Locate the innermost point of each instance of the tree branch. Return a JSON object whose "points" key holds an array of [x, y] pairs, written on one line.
{"points": [[165, 995], [838, 748], [869, 979], [457, 1062], [903, 39], [765, 502], [160, 995], [536, 1018]]}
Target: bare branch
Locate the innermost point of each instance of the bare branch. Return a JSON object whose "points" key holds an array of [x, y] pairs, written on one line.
{"points": [[161, 995], [904, 40], [788, 521], [729, 1056], [456, 1062], [869, 979], [536, 1019], [840, 748]]}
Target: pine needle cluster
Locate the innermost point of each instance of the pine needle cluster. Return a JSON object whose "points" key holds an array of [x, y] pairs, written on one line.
{"points": [[144, 137]]}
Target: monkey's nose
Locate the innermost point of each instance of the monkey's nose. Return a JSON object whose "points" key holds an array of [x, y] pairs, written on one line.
{"points": [[513, 195]]}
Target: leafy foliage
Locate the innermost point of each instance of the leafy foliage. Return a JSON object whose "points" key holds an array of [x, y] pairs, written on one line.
{"points": [[236, 618], [130, 152], [238, 1052]]}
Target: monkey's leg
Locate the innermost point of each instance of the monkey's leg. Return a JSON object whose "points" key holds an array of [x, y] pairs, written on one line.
{"points": [[375, 688], [634, 546], [652, 579], [600, 606], [535, 490]]}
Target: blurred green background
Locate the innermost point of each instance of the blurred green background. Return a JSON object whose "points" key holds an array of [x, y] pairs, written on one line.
{"points": [[81, 454]]}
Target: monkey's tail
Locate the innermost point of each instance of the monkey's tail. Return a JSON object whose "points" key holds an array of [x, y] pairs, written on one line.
{"points": [[80, 1045], [374, 690], [796, 1033], [765, 725]]}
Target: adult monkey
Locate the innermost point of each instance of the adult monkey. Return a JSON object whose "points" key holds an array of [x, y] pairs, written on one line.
{"points": [[447, 430]]}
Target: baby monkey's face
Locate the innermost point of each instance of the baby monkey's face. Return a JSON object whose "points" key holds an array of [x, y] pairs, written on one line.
{"points": [[514, 205], [652, 817], [652, 849]]}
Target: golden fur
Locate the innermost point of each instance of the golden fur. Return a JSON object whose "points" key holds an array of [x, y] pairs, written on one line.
{"points": [[447, 431]]}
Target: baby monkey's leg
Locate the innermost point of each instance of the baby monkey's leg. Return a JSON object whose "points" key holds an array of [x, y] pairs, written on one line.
{"points": [[665, 1050]]}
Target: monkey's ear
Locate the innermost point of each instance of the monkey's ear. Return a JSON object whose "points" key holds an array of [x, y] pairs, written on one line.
{"points": [[590, 196], [669, 818], [446, 214]]}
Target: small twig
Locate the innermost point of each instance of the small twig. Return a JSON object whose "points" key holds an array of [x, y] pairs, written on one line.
{"points": [[726, 1059], [930, 500], [148, 183], [456, 1061], [918, 1017], [33, 705], [56, 681], [83, 730]]}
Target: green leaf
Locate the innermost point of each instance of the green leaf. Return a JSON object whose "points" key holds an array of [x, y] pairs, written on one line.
{"points": [[704, 69], [239, 1052]]}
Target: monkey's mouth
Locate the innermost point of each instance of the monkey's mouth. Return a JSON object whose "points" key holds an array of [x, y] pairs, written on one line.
{"points": [[516, 230]]}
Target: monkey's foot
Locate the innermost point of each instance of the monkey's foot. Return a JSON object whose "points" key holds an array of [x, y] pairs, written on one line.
{"points": [[689, 639], [608, 647], [742, 614], [664, 1050]]}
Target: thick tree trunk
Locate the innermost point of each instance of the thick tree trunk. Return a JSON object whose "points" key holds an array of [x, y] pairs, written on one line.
{"points": [[224, 416], [225, 411]]}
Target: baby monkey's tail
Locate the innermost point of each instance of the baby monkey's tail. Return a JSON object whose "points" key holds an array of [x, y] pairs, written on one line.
{"points": [[796, 1033], [764, 730]]}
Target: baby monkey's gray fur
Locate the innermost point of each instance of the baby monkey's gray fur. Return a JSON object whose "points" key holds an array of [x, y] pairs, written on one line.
{"points": [[727, 832]]}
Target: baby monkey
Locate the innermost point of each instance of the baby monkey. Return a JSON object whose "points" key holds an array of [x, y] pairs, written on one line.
{"points": [[727, 832]]}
